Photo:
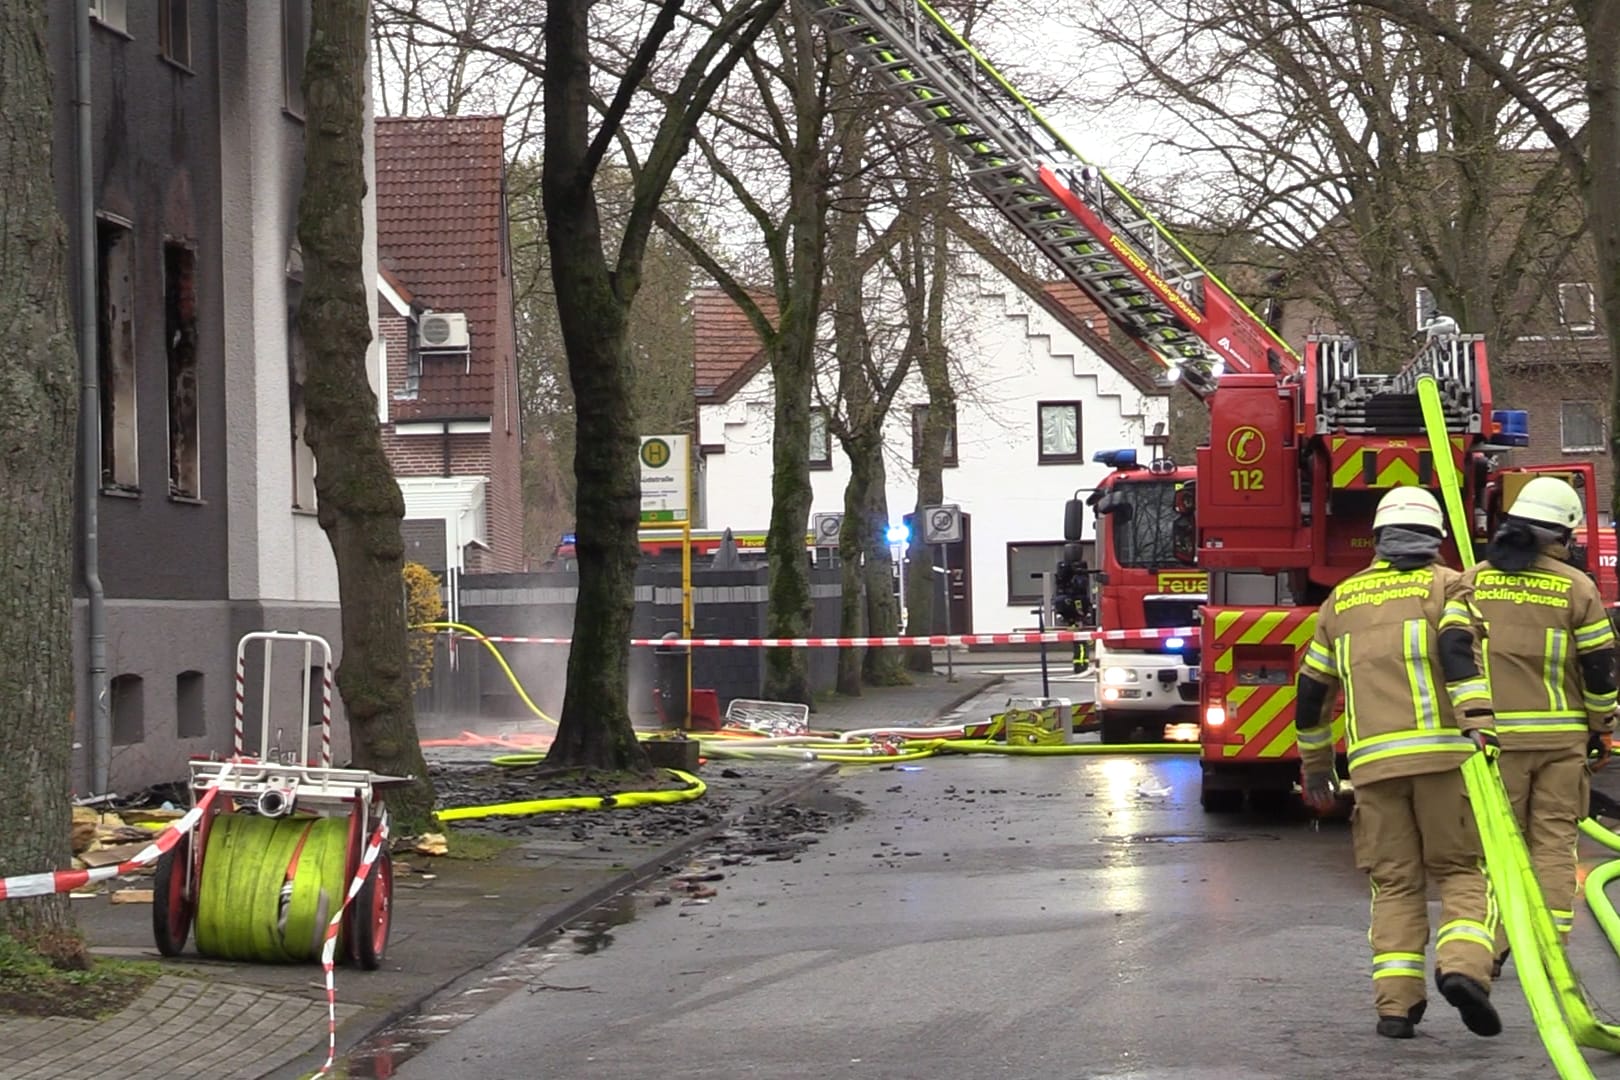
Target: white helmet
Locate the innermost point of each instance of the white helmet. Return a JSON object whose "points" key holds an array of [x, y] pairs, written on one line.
{"points": [[1547, 500], [1412, 506]]}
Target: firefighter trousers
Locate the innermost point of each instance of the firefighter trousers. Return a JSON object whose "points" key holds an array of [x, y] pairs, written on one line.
{"points": [[1411, 832], [1549, 790]]}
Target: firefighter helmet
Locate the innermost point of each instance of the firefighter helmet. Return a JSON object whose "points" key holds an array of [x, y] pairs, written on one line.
{"points": [[1414, 507], [1547, 500]]}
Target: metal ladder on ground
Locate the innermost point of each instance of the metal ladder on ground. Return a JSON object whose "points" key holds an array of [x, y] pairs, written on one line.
{"points": [[1004, 144]]}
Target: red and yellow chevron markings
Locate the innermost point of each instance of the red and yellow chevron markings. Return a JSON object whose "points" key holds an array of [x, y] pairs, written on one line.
{"points": [[1358, 463]]}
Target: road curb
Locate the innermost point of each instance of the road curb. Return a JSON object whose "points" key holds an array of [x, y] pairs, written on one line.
{"points": [[539, 925], [966, 696]]}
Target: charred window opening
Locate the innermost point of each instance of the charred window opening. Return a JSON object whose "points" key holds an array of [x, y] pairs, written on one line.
{"points": [[303, 458], [294, 40], [115, 347], [180, 337], [174, 30]]}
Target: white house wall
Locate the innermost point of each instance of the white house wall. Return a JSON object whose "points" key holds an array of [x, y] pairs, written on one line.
{"points": [[1011, 354]]}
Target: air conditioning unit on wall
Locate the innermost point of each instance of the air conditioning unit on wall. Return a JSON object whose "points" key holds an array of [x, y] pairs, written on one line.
{"points": [[442, 331]]}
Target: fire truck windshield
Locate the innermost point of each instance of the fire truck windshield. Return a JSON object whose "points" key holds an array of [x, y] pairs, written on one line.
{"points": [[1144, 533]]}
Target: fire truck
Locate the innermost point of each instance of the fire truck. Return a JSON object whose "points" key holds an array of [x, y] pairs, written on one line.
{"points": [[1148, 688], [1277, 508]]}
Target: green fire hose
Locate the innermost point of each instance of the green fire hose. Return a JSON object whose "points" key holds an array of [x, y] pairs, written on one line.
{"points": [[1562, 1014]]}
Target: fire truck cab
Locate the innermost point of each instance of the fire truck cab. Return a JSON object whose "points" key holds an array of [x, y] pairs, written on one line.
{"points": [[1141, 580]]}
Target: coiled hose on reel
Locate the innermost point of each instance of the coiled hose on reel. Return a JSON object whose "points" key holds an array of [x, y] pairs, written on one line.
{"points": [[269, 887]]}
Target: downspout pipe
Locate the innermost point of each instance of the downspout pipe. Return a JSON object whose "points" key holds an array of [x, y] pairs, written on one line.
{"points": [[90, 413]]}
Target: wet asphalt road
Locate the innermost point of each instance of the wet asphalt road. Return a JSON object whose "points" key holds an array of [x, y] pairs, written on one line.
{"points": [[993, 917]]}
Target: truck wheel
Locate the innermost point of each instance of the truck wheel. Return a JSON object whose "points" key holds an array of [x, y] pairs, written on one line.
{"points": [[1117, 729], [1220, 800]]}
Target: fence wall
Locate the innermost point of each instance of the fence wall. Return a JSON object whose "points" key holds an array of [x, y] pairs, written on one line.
{"points": [[726, 603]]}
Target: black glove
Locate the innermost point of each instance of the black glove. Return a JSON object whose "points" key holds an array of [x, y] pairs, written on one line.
{"points": [[1488, 743], [1320, 790]]}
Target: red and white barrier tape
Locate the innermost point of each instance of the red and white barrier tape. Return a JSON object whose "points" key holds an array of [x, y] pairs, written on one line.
{"points": [[329, 949], [1050, 637], [61, 881]]}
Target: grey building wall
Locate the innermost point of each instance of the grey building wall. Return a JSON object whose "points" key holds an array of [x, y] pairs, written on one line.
{"points": [[157, 165], [161, 135]]}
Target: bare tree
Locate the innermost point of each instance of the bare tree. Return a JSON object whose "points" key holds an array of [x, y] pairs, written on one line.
{"points": [[595, 298], [781, 115], [1590, 155], [1373, 157], [38, 408]]}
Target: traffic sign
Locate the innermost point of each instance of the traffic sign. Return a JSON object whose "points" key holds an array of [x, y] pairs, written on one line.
{"points": [[941, 524], [826, 528], [665, 479]]}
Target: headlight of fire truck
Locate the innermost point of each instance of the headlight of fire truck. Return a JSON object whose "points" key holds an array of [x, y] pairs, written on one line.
{"points": [[1116, 676]]}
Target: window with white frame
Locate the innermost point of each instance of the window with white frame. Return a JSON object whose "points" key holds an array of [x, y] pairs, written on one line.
{"points": [[1581, 427], [1576, 306], [113, 14]]}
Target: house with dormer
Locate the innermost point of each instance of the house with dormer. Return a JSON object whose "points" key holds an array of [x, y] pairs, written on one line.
{"points": [[1039, 388], [449, 406]]}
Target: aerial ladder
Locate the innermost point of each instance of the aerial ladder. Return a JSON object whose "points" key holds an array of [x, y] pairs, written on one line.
{"points": [[1096, 232], [1300, 448]]}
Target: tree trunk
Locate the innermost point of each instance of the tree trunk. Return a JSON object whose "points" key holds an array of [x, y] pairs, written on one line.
{"points": [[852, 601], [935, 364], [1602, 25], [882, 666], [593, 305], [38, 407], [792, 354], [359, 504]]}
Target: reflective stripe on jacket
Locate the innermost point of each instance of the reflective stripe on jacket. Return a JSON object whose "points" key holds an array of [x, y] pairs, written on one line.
{"points": [[1377, 637], [1538, 624]]}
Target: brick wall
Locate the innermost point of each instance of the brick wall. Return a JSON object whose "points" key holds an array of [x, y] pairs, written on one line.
{"points": [[1541, 390], [423, 455]]}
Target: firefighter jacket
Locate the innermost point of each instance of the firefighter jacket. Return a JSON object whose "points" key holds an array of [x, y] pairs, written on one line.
{"points": [[1548, 653], [1401, 645]]}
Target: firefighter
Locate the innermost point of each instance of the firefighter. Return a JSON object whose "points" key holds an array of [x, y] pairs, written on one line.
{"points": [[1549, 655], [1399, 638]]}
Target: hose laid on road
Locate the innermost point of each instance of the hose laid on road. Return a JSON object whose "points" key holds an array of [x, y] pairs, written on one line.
{"points": [[483, 640], [1507, 863], [694, 789], [269, 886]]}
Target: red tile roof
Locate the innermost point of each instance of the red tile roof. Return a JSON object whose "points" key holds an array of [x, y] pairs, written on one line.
{"points": [[1069, 295], [727, 348], [440, 214]]}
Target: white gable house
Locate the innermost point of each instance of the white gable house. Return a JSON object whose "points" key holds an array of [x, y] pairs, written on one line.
{"points": [[1039, 391]]}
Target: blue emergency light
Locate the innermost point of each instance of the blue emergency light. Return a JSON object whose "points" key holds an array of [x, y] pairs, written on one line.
{"points": [[899, 534], [1515, 425], [1116, 459], [1174, 644]]}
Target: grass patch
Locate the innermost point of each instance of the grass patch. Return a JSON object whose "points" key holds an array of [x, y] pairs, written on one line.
{"points": [[469, 846], [31, 986]]}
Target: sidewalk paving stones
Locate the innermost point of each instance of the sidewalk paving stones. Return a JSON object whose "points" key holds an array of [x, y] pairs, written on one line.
{"points": [[215, 1019]]}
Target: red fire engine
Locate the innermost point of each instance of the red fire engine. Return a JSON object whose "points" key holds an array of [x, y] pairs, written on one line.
{"points": [[1301, 447], [1143, 689]]}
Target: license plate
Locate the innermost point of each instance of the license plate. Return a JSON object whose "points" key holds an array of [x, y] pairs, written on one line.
{"points": [[1192, 674]]}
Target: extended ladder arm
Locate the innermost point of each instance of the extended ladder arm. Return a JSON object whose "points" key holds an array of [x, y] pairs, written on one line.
{"points": [[1103, 240]]}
